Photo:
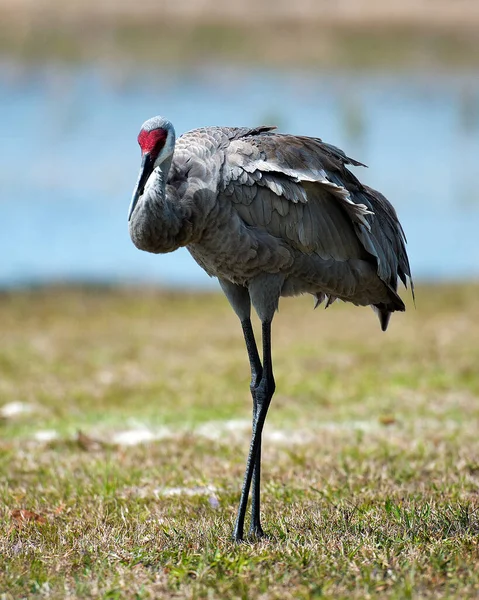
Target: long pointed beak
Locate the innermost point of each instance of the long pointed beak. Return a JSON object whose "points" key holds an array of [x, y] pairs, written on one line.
{"points": [[145, 171]]}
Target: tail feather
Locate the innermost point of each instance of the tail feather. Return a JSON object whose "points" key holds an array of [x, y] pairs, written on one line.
{"points": [[383, 315]]}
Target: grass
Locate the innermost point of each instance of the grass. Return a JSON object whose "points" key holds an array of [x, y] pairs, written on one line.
{"points": [[280, 45], [371, 457]]}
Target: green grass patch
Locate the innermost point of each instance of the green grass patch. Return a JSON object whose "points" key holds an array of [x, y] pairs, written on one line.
{"points": [[369, 491]]}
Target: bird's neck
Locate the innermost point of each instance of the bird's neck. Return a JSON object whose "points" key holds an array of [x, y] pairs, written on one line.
{"points": [[161, 222]]}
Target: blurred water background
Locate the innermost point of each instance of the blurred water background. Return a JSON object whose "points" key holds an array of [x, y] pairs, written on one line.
{"points": [[71, 113]]}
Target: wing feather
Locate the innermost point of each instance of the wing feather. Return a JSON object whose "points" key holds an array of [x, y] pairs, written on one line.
{"points": [[299, 189]]}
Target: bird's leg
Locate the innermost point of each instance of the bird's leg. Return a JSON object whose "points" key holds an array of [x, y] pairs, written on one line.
{"points": [[256, 373], [254, 360], [263, 393]]}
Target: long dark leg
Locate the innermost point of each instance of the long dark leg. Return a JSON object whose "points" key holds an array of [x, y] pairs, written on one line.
{"points": [[255, 529], [256, 373], [263, 393]]}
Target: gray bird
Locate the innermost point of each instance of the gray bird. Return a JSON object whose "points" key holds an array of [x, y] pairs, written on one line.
{"points": [[269, 215]]}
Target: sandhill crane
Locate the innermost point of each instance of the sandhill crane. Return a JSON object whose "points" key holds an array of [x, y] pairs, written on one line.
{"points": [[269, 215]]}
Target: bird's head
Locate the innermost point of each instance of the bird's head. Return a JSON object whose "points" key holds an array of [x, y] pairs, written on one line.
{"points": [[157, 143]]}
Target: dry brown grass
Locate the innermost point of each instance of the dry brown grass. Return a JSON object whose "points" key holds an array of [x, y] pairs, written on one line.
{"points": [[432, 13], [354, 34]]}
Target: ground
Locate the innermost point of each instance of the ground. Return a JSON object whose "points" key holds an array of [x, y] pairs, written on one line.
{"points": [[124, 433], [354, 34]]}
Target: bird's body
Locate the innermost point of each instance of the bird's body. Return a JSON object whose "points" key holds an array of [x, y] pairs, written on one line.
{"points": [[252, 202], [269, 215]]}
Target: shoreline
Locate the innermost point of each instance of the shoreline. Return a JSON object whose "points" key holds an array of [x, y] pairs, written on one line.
{"points": [[309, 45]]}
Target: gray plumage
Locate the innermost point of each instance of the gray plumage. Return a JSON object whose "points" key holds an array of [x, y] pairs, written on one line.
{"points": [[247, 202], [269, 215]]}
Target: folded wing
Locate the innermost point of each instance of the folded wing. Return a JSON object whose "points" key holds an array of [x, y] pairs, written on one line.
{"points": [[300, 190]]}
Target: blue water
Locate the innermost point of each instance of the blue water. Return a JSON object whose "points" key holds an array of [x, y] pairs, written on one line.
{"points": [[69, 159]]}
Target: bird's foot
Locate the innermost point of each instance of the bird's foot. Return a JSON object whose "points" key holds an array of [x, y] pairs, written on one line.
{"points": [[256, 533], [238, 536]]}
